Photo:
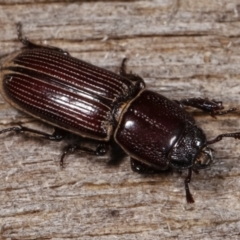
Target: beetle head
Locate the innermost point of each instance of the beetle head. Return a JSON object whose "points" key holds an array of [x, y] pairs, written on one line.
{"points": [[190, 150]]}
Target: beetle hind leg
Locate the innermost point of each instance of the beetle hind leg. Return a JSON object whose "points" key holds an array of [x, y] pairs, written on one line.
{"points": [[29, 44], [23, 40], [100, 150], [57, 135]]}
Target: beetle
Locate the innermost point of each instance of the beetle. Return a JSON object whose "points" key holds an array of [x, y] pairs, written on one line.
{"points": [[74, 96]]}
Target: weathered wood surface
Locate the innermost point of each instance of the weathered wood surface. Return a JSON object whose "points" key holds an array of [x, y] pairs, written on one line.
{"points": [[182, 49]]}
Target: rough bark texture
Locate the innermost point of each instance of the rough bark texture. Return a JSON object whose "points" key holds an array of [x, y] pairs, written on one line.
{"points": [[182, 49]]}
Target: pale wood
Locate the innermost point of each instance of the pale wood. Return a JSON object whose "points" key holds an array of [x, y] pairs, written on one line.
{"points": [[182, 49]]}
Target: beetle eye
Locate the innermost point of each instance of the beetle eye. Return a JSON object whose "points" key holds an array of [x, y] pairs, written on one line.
{"points": [[204, 158]]}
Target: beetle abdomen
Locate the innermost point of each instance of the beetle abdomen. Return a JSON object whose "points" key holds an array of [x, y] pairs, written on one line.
{"points": [[64, 91]]}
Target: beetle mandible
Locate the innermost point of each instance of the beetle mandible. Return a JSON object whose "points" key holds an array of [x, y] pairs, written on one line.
{"points": [[75, 96]]}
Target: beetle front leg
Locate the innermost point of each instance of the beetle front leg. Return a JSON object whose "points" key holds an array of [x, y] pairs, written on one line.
{"points": [[143, 168], [211, 106], [187, 181], [57, 135], [101, 150]]}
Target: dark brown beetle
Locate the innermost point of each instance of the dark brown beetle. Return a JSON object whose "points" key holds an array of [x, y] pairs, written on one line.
{"points": [[77, 97]]}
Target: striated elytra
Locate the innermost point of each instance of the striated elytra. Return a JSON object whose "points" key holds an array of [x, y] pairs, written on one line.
{"points": [[75, 96]]}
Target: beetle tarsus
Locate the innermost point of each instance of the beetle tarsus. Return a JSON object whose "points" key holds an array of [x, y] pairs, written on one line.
{"points": [[211, 106], [70, 149], [189, 196], [101, 149], [29, 44], [57, 135], [24, 40], [133, 77], [123, 67], [214, 113]]}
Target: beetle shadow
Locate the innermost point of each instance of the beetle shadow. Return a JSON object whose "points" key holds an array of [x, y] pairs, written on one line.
{"points": [[117, 155]]}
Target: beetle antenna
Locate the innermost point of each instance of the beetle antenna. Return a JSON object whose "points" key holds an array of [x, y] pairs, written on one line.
{"points": [[221, 136]]}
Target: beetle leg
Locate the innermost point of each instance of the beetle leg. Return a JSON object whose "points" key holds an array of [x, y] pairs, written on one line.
{"points": [[142, 168], [29, 44], [211, 106], [101, 149], [57, 135], [131, 76], [187, 181], [70, 149], [22, 39]]}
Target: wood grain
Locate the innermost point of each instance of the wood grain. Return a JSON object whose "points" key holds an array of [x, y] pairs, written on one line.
{"points": [[182, 49]]}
